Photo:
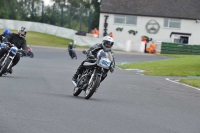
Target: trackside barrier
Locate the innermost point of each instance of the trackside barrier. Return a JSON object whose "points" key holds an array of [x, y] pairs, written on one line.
{"points": [[120, 44], [176, 48]]}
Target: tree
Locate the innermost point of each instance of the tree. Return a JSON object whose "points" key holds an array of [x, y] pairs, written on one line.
{"points": [[4, 10], [60, 2], [28, 10], [74, 3], [74, 16], [96, 14]]}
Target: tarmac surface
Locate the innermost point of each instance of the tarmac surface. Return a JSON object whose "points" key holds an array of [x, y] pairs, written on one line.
{"points": [[38, 98]]}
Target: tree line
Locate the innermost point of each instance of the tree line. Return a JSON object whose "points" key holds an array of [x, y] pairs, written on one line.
{"points": [[78, 15]]}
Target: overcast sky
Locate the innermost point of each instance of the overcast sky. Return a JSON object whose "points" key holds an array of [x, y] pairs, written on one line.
{"points": [[47, 2]]}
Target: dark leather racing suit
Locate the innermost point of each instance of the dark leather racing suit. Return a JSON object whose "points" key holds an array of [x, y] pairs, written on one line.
{"points": [[19, 42]]}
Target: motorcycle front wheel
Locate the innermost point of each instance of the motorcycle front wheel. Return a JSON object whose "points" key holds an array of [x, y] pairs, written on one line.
{"points": [[92, 87], [4, 67]]}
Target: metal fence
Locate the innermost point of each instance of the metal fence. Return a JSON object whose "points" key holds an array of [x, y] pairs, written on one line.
{"points": [[176, 48]]}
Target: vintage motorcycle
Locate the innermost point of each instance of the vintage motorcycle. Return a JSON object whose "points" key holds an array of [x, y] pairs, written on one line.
{"points": [[90, 78], [7, 60]]}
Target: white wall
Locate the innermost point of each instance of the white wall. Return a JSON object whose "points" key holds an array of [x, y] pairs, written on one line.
{"points": [[187, 26], [59, 31], [38, 27], [123, 40]]}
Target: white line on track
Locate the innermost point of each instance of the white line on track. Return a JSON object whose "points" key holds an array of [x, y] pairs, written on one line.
{"points": [[119, 68], [182, 84]]}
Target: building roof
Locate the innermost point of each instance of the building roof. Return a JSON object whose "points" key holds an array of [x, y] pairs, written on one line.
{"points": [[185, 9], [179, 33]]}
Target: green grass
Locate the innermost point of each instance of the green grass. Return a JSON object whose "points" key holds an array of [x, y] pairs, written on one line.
{"points": [[181, 65], [192, 82], [42, 39]]}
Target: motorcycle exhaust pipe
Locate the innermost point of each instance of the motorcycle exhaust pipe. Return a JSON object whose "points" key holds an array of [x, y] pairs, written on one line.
{"points": [[74, 83]]}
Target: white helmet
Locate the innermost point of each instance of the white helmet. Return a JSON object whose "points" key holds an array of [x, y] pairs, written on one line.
{"points": [[107, 43], [22, 32]]}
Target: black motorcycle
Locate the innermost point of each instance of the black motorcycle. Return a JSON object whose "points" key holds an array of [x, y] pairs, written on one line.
{"points": [[89, 80], [7, 60]]}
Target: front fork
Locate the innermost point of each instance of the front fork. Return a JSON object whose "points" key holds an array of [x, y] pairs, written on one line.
{"points": [[92, 75], [4, 58], [96, 73], [11, 57]]}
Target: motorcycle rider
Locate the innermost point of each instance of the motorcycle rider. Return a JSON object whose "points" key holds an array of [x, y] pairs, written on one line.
{"points": [[19, 41], [106, 45], [5, 35], [70, 48]]}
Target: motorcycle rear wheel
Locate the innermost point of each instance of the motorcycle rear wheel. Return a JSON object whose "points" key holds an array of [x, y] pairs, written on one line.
{"points": [[77, 89], [30, 54], [75, 55]]}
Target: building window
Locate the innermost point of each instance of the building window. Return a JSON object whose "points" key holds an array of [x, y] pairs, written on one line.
{"points": [[125, 19], [172, 23], [178, 37], [119, 19], [182, 39]]}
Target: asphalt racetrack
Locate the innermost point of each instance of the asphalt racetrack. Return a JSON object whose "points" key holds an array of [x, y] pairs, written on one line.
{"points": [[38, 98]]}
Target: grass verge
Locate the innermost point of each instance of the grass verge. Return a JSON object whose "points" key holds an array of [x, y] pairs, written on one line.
{"points": [[179, 65], [42, 39], [192, 82]]}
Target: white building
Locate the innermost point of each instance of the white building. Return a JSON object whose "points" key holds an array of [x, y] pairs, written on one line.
{"points": [[163, 21]]}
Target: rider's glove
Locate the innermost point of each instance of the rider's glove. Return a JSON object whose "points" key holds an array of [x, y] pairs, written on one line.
{"points": [[112, 66], [111, 69], [9, 45], [12, 45], [90, 55]]}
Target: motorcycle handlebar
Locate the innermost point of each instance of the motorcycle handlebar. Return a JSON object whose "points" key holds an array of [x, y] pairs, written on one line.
{"points": [[9, 44]]}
